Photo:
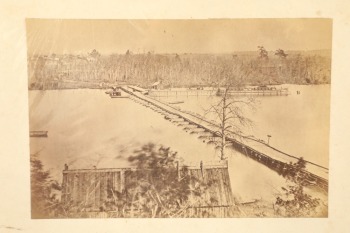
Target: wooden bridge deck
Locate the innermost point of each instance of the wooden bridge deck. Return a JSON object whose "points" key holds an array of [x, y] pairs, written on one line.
{"points": [[138, 89], [257, 150]]}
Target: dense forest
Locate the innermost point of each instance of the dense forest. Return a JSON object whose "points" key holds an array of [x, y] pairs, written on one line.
{"points": [[259, 67]]}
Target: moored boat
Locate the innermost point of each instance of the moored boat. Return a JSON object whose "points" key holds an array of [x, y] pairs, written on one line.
{"points": [[117, 94], [177, 102], [38, 134]]}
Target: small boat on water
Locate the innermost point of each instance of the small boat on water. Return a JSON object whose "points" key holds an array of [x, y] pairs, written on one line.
{"points": [[116, 93], [42, 134], [177, 102]]}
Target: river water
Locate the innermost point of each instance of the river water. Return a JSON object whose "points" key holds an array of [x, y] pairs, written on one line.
{"points": [[298, 123], [87, 128]]}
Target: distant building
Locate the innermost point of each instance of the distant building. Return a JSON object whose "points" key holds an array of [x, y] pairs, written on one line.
{"points": [[155, 85]]}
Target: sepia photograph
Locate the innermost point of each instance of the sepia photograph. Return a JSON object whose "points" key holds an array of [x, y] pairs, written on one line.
{"points": [[179, 118]]}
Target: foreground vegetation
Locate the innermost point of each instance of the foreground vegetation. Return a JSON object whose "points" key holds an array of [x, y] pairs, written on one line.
{"points": [[45, 191], [159, 190]]}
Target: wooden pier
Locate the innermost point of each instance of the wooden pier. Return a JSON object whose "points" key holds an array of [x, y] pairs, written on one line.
{"points": [[187, 93], [138, 89], [211, 92], [261, 152]]}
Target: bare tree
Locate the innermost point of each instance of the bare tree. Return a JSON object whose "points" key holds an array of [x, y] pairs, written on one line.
{"points": [[95, 54], [229, 111], [263, 54]]}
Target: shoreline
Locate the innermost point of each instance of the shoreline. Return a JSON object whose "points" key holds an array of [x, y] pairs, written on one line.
{"points": [[97, 86]]}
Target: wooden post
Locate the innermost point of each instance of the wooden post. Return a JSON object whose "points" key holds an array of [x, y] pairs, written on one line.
{"points": [[201, 167], [64, 188], [122, 180], [268, 139], [178, 169]]}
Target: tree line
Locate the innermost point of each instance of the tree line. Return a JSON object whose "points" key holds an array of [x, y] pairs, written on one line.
{"points": [[182, 70]]}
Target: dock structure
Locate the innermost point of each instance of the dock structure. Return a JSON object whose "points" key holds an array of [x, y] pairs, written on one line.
{"points": [[259, 151], [87, 191], [213, 92], [209, 92]]}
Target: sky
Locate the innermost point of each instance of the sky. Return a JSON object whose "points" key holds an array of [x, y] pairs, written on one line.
{"points": [[60, 36]]}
